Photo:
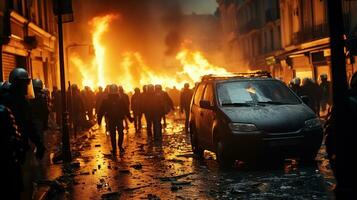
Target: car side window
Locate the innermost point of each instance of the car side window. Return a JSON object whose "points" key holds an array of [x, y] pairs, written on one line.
{"points": [[198, 94], [208, 95]]}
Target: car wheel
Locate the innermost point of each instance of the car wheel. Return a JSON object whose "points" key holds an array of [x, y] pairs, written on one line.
{"points": [[197, 150], [222, 158]]}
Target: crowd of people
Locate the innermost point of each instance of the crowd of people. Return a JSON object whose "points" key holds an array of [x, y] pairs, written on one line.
{"points": [[319, 95], [28, 109]]}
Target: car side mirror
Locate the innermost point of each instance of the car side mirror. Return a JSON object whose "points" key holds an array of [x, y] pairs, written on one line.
{"points": [[305, 99], [205, 104]]}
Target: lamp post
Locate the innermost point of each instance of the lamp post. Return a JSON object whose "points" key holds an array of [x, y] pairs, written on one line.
{"points": [[63, 7]]}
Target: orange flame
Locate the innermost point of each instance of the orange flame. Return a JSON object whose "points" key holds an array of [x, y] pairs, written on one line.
{"points": [[191, 65]]}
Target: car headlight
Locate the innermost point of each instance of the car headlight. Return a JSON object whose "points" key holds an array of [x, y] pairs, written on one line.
{"points": [[242, 127], [312, 123]]}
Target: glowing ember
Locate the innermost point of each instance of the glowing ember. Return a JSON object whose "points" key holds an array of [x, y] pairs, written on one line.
{"points": [[190, 67]]}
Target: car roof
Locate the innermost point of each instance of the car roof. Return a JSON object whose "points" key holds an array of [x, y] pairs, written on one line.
{"points": [[258, 75]]}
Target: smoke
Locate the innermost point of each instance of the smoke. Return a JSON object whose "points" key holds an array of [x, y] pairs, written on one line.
{"points": [[172, 21], [155, 29]]}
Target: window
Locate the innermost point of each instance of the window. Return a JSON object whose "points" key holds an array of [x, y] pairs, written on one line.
{"points": [[198, 94], [208, 95], [254, 92]]}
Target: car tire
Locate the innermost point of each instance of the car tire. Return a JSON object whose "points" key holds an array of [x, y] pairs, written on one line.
{"points": [[197, 150], [221, 154]]}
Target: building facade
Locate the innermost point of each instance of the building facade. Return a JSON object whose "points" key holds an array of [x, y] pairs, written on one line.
{"points": [[305, 37], [28, 39], [290, 38], [252, 32]]}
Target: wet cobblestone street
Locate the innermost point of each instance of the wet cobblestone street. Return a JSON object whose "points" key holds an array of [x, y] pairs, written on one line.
{"points": [[168, 170]]}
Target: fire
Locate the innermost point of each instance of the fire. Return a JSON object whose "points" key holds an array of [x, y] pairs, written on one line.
{"points": [[190, 67]]}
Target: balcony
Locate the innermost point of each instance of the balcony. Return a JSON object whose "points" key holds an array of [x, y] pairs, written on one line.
{"points": [[311, 33]]}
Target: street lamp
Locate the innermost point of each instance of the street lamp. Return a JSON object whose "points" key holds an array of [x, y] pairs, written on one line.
{"points": [[63, 8]]}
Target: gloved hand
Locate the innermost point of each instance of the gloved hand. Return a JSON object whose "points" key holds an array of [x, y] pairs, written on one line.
{"points": [[40, 151]]}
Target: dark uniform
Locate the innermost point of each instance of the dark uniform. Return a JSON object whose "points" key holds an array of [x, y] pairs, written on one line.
{"points": [[115, 108], [127, 101], [295, 86], [76, 109], [312, 91], [15, 99], [40, 107], [185, 103], [325, 87], [136, 107], [11, 149], [56, 105]]}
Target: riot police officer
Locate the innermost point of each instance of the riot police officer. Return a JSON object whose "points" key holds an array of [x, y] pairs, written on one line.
{"points": [[185, 101], [10, 148], [40, 106], [115, 109], [136, 107], [16, 99]]}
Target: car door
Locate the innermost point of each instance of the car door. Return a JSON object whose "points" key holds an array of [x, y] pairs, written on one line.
{"points": [[195, 112], [207, 116]]}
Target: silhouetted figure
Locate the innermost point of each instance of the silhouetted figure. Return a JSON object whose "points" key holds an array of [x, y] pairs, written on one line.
{"points": [[88, 102], [76, 109], [158, 112], [115, 108], [99, 99], [136, 107], [57, 105], [144, 107], [15, 98], [295, 85], [150, 108], [167, 103], [11, 149], [312, 91], [325, 88], [185, 103], [127, 101], [40, 106]]}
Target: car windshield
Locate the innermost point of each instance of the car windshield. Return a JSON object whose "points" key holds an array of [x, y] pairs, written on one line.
{"points": [[243, 93]]}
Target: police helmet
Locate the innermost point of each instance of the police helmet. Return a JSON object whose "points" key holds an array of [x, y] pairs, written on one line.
{"points": [[158, 87], [37, 84], [150, 88], [19, 75], [113, 89], [323, 76]]}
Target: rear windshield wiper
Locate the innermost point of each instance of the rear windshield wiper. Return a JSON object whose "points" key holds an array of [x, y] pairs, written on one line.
{"points": [[237, 104]]}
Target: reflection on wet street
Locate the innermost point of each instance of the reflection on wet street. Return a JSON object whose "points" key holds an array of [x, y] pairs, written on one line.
{"points": [[169, 170]]}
